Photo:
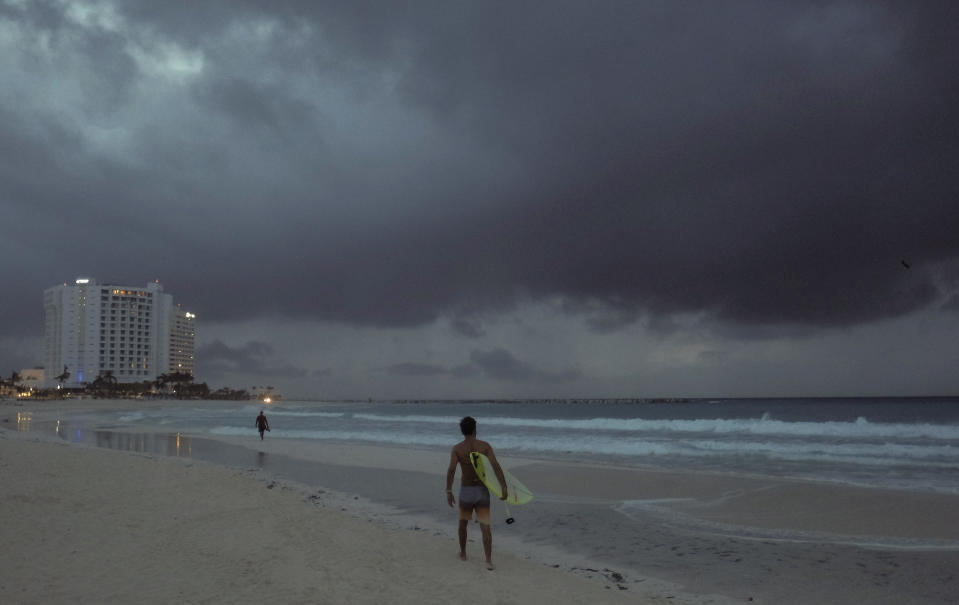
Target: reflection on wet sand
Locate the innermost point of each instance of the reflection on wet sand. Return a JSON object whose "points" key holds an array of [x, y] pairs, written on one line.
{"points": [[146, 443], [161, 444], [60, 428], [24, 421], [166, 444]]}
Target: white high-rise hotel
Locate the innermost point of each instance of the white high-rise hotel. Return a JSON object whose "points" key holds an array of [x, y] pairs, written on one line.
{"points": [[134, 332]]}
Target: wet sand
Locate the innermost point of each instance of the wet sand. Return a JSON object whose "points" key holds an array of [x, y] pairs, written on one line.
{"points": [[685, 533], [643, 534]]}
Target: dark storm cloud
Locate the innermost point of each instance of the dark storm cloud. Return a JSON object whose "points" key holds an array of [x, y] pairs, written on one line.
{"points": [[416, 369], [17, 355], [713, 356], [500, 364], [217, 359], [764, 163], [253, 106], [465, 327], [495, 364]]}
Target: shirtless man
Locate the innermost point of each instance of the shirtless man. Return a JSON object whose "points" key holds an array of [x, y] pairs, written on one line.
{"points": [[473, 494], [262, 424]]}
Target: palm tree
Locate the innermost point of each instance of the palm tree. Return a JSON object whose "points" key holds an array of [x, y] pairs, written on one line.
{"points": [[160, 382], [96, 387], [178, 379], [104, 384], [14, 379], [62, 377]]}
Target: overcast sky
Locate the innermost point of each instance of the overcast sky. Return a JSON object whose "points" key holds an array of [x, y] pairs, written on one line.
{"points": [[482, 199]]}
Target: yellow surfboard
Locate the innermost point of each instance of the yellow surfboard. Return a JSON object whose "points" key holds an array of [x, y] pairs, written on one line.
{"points": [[517, 493]]}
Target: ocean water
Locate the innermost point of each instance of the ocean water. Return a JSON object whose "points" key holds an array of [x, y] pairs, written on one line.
{"points": [[908, 443]]}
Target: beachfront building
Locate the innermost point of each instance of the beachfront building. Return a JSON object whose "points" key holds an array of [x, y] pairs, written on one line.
{"points": [[32, 378], [182, 337], [127, 332]]}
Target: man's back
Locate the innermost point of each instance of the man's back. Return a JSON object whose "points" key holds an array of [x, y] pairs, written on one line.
{"points": [[462, 452]]}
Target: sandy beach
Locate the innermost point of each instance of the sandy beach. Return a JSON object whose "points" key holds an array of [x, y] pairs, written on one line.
{"points": [[94, 526], [240, 520]]}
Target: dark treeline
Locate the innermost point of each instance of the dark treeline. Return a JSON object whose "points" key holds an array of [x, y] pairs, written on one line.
{"points": [[175, 385]]}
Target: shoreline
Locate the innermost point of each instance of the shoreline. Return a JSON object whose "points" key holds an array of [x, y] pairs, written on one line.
{"points": [[714, 497], [710, 497], [907, 469], [689, 534]]}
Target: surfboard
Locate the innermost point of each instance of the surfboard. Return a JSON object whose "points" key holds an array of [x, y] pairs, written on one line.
{"points": [[517, 493]]}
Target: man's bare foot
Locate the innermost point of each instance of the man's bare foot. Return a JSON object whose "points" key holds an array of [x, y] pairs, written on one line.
{"points": [[462, 556], [490, 566]]}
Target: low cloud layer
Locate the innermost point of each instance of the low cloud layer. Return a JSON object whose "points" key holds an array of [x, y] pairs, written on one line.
{"points": [[255, 359], [497, 365]]}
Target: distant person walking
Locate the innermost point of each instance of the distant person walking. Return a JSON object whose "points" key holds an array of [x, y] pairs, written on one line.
{"points": [[473, 494], [262, 424]]}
